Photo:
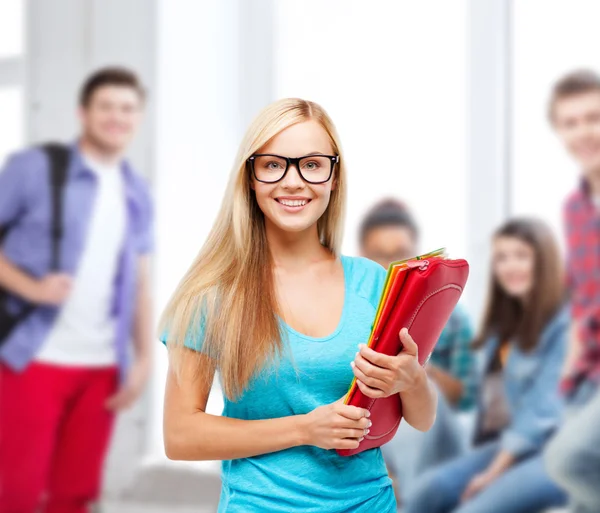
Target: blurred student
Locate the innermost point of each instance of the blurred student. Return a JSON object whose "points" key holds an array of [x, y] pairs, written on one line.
{"points": [[65, 370], [573, 457], [523, 340], [389, 233], [272, 305]]}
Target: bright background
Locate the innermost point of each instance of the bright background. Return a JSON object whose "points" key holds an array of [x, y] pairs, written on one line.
{"points": [[440, 103]]}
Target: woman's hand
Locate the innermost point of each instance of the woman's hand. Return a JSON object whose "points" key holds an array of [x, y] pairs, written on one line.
{"points": [[379, 375], [336, 426], [501, 463], [477, 485]]}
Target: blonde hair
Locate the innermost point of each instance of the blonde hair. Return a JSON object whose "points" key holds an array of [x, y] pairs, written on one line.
{"points": [[226, 301]]}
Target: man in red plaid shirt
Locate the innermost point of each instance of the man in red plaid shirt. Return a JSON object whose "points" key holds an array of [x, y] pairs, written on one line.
{"points": [[573, 457]]}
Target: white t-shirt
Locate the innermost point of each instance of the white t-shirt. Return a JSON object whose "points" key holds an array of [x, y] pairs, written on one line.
{"points": [[84, 332]]}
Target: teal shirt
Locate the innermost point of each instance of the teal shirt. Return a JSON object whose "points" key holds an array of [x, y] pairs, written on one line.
{"points": [[312, 372]]}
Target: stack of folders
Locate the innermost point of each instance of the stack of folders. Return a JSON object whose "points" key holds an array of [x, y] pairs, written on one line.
{"points": [[419, 294]]}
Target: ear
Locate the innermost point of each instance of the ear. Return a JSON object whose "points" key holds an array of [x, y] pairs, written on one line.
{"points": [[81, 112], [252, 184], [334, 184]]}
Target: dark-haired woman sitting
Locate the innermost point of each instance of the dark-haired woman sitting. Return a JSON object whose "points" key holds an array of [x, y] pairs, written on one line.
{"points": [[523, 341]]}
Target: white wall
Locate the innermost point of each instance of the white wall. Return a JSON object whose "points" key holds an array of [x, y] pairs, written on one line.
{"points": [[11, 128], [550, 39]]}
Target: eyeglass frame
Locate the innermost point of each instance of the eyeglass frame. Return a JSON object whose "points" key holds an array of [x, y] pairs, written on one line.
{"points": [[333, 160]]}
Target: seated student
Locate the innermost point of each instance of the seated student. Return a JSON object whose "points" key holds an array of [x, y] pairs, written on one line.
{"points": [[523, 341], [389, 233]]}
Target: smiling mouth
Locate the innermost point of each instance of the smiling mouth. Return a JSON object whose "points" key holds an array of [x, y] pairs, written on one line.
{"points": [[588, 152], [292, 203]]}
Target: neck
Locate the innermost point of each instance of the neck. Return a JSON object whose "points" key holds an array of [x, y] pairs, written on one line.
{"points": [[592, 177], [295, 249], [524, 301], [99, 153]]}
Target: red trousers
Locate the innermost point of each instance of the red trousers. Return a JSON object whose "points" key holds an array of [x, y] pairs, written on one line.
{"points": [[54, 435]]}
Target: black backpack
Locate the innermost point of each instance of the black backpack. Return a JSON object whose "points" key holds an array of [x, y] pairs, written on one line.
{"points": [[58, 159]]}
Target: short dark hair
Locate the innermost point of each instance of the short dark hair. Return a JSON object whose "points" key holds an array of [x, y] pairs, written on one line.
{"points": [[112, 75], [387, 212], [572, 84]]}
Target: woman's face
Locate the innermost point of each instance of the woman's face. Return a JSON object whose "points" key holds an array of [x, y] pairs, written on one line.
{"points": [[293, 205], [513, 266]]}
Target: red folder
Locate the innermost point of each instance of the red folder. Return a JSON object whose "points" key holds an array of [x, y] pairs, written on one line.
{"points": [[420, 295]]}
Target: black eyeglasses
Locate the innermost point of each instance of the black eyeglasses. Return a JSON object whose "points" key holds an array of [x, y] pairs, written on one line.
{"points": [[313, 169]]}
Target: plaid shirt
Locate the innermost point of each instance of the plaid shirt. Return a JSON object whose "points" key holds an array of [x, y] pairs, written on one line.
{"points": [[453, 354], [582, 221]]}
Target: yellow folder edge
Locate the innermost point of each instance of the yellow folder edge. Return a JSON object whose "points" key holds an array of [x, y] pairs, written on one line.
{"points": [[393, 270]]}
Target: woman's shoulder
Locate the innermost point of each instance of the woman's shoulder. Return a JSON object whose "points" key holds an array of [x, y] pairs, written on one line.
{"points": [[364, 277], [361, 267]]}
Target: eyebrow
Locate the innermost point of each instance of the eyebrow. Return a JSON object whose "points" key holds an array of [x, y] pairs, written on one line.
{"points": [[311, 154]]}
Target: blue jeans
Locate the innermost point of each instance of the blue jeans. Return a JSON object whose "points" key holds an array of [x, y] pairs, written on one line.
{"points": [[524, 488], [573, 455], [412, 452]]}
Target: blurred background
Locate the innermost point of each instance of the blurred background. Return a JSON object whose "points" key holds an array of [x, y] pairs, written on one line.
{"points": [[440, 103]]}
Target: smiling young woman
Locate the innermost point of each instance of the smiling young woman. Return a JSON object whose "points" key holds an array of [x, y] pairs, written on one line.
{"points": [[272, 306]]}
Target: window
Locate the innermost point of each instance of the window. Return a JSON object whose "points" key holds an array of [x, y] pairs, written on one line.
{"points": [[393, 78], [12, 47], [11, 29]]}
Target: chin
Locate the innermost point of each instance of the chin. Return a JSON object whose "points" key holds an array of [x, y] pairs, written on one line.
{"points": [[293, 228], [115, 144], [289, 225], [591, 166], [518, 292]]}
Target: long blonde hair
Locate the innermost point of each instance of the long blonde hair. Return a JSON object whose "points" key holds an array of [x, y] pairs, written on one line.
{"points": [[226, 301]]}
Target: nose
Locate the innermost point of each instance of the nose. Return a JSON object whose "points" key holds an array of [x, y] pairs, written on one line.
{"points": [[292, 179]]}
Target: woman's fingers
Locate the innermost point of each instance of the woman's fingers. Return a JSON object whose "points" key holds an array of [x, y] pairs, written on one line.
{"points": [[371, 370], [347, 443], [345, 423], [361, 371], [350, 412], [409, 345], [373, 393], [383, 361], [351, 433]]}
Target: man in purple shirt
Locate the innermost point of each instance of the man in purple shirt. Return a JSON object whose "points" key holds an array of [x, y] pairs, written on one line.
{"points": [[69, 366]]}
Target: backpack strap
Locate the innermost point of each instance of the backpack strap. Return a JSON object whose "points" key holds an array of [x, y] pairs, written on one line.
{"points": [[58, 158]]}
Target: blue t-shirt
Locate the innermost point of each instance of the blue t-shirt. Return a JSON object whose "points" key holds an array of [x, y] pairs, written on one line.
{"points": [[311, 372]]}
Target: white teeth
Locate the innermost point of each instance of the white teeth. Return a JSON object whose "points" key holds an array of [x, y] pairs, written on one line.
{"points": [[293, 203]]}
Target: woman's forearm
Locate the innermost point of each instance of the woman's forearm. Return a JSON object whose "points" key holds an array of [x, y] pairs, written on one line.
{"points": [[501, 463], [419, 404], [201, 436]]}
